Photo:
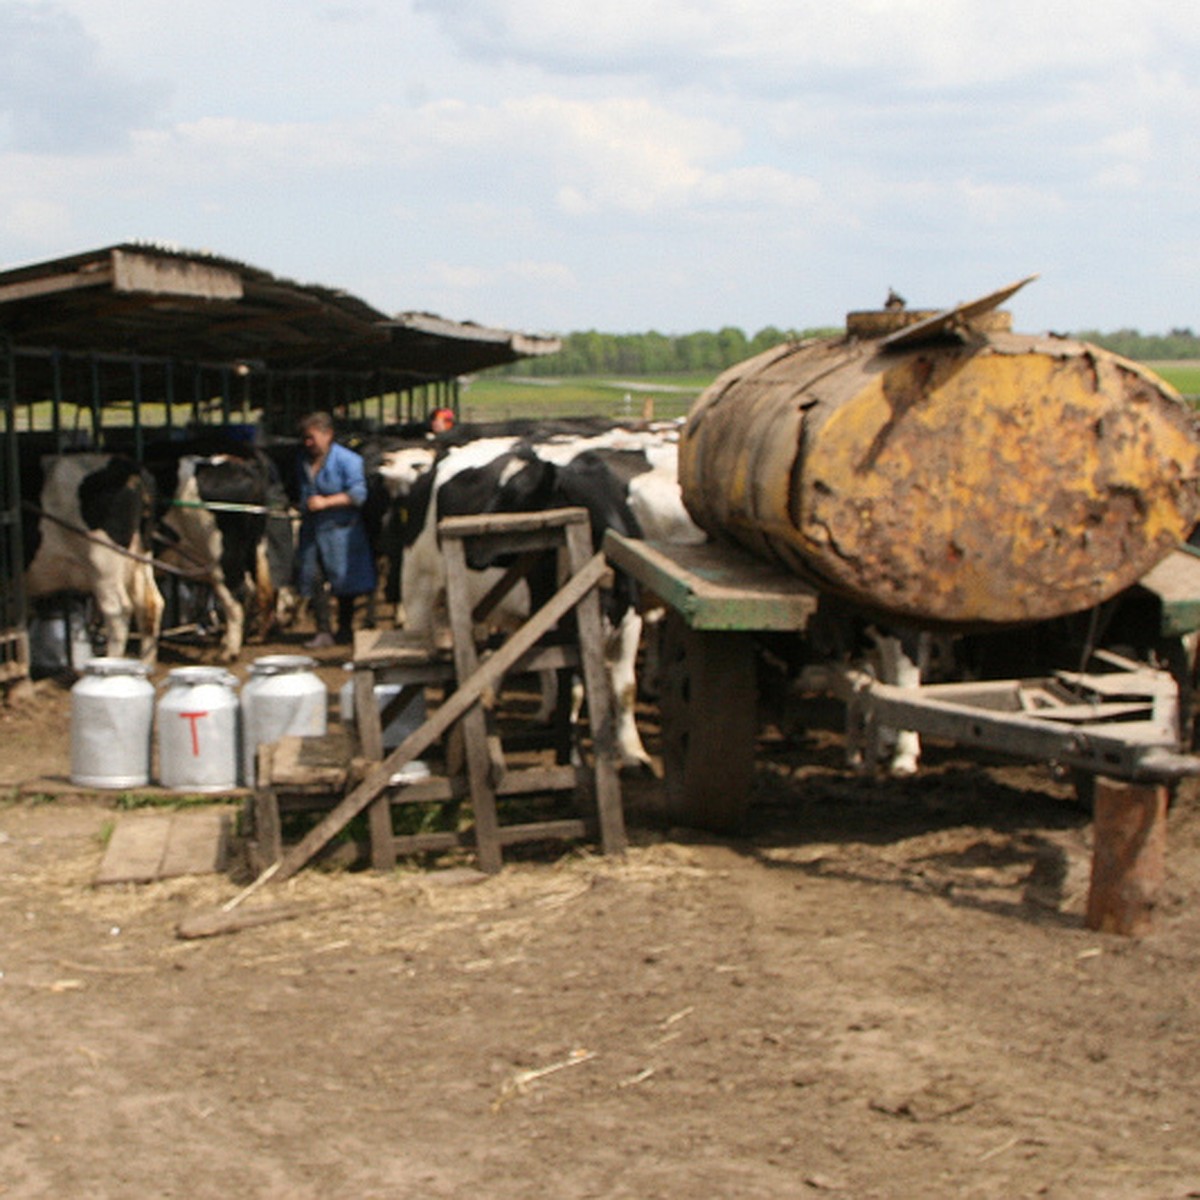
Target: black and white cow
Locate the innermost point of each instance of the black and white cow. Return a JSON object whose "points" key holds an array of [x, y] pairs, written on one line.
{"points": [[92, 533], [225, 521], [626, 481]]}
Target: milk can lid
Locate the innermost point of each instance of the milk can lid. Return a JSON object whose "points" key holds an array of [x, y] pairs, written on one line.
{"points": [[281, 664], [194, 676], [116, 666]]}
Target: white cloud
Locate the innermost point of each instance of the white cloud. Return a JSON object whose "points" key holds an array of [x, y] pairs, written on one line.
{"points": [[36, 222], [991, 205], [759, 187], [458, 278], [644, 163], [543, 274], [763, 44], [56, 93], [627, 156]]}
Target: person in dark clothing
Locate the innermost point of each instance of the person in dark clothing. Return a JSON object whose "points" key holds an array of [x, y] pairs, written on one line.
{"points": [[333, 545]]}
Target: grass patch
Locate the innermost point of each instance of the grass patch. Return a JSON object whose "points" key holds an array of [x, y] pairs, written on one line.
{"points": [[35, 799], [502, 398], [129, 801], [1180, 375]]}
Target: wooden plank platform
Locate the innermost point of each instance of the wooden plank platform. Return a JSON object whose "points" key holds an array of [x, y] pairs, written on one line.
{"points": [[61, 785], [149, 846], [322, 762], [378, 649], [716, 586]]}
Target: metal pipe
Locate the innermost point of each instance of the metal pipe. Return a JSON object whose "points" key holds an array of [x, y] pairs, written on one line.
{"points": [[56, 399], [96, 401], [169, 392], [139, 447]]}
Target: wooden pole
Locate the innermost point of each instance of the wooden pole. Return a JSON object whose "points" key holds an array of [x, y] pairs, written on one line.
{"points": [[1128, 856]]}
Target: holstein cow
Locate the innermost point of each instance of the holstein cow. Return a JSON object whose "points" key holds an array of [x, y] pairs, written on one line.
{"points": [[217, 524], [644, 458], [392, 463], [92, 534], [599, 473]]}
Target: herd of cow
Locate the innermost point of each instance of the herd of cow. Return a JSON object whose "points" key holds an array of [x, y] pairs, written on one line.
{"points": [[221, 513]]}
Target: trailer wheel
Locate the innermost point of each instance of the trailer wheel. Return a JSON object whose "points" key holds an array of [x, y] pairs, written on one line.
{"points": [[709, 722]]}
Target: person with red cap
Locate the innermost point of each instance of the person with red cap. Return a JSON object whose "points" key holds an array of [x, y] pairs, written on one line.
{"points": [[441, 420]]}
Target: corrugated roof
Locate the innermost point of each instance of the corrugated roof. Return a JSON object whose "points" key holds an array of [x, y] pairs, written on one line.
{"points": [[159, 301]]}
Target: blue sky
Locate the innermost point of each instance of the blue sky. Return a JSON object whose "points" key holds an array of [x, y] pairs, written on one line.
{"points": [[625, 165]]}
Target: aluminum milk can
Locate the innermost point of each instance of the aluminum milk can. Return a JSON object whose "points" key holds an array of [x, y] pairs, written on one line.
{"points": [[399, 727], [59, 641], [282, 697], [112, 713], [198, 730]]}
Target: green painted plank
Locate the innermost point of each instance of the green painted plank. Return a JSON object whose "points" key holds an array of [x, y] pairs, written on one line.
{"points": [[715, 586], [1176, 583]]}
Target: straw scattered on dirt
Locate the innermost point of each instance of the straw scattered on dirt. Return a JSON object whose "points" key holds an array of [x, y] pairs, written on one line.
{"points": [[883, 990]]}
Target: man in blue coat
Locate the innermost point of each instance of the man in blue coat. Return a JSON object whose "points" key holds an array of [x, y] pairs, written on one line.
{"points": [[333, 543]]}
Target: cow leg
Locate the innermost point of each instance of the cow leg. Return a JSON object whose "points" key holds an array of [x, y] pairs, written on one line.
{"points": [[548, 704], [148, 605], [287, 607], [621, 660], [264, 593], [116, 608], [620, 657], [653, 621], [899, 664], [235, 620]]}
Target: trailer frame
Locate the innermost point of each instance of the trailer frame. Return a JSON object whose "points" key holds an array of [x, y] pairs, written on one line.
{"points": [[1119, 718]]}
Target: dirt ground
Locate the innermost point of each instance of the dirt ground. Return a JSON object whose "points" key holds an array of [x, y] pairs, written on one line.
{"points": [[884, 989]]}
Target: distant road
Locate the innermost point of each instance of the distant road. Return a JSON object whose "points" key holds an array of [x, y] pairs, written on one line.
{"points": [[619, 385]]}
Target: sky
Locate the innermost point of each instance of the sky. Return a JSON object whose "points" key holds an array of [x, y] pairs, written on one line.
{"points": [[550, 166]]}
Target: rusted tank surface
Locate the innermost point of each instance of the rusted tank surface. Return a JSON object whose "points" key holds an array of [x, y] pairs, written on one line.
{"points": [[964, 476]]}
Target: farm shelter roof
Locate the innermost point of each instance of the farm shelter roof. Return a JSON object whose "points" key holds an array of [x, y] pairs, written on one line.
{"points": [[153, 301]]}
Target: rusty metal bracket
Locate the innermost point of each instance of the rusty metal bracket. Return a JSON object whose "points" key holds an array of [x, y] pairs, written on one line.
{"points": [[1120, 720]]}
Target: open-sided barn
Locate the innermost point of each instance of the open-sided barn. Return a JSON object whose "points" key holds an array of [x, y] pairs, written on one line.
{"points": [[113, 346]]}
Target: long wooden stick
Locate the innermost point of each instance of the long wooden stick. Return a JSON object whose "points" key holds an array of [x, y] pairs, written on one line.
{"points": [[489, 674]]}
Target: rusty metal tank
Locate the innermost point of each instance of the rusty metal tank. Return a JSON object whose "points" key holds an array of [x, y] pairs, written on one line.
{"points": [[940, 468]]}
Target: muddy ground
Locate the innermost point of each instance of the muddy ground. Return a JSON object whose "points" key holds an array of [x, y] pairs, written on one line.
{"points": [[884, 989]]}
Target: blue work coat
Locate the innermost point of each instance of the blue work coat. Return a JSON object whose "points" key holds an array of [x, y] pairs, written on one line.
{"points": [[335, 539]]}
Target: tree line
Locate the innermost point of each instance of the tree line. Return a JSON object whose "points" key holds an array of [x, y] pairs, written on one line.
{"points": [[621, 354], [1144, 347]]}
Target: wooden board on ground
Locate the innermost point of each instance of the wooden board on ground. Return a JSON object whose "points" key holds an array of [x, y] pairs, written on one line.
{"points": [[61, 785], [149, 846]]}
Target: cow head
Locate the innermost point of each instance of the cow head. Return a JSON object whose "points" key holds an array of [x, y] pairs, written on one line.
{"points": [[523, 482]]}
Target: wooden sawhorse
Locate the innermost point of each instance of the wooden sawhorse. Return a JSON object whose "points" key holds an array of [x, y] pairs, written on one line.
{"points": [[566, 533], [397, 658]]}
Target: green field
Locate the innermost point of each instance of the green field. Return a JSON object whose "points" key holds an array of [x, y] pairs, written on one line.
{"points": [[1182, 374], [482, 398], [499, 397]]}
